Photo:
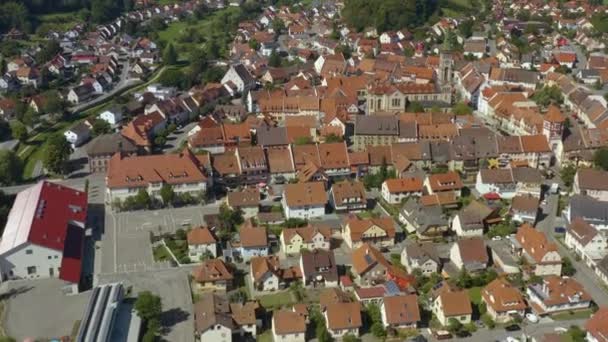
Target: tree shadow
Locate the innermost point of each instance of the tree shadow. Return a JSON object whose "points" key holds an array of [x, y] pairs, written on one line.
{"points": [[172, 317]]}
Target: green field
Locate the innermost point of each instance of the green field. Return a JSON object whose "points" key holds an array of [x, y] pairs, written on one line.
{"points": [[475, 294], [277, 300]]}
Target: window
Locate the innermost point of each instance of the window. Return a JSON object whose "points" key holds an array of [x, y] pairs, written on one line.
{"points": [[31, 270], [29, 252], [396, 102], [49, 257]]}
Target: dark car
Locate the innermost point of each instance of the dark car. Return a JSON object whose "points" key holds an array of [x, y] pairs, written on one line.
{"points": [[512, 327], [560, 230]]}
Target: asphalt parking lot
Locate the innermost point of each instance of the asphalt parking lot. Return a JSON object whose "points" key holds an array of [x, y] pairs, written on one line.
{"points": [[125, 244], [172, 286], [30, 304]]}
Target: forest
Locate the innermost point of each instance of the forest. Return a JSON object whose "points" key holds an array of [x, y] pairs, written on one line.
{"points": [[23, 14], [387, 15]]}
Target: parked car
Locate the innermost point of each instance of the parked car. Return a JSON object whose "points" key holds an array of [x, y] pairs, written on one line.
{"points": [[532, 318], [560, 230], [513, 327], [497, 238], [442, 334]]}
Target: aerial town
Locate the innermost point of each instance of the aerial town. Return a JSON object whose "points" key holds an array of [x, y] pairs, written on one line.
{"points": [[312, 170]]}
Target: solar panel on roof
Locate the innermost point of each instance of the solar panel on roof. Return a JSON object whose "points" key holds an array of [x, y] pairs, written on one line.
{"points": [[391, 288]]}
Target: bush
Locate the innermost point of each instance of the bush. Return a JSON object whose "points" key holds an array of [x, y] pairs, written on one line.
{"points": [[488, 321]]}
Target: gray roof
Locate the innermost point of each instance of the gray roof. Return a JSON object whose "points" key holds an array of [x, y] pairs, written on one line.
{"points": [[423, 218], [80, 129], [408, 130], [527, 175], [441, 151], [108, 144], [243, 73], [588, 208], [421, 252], [210, 310], [272, 136], [376, 125], [319, 262]]}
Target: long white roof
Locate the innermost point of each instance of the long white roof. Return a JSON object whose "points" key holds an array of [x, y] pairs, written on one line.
{"points": [[20, 218]]}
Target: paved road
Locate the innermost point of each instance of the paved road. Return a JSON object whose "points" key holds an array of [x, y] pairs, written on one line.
{"points": [[124, 83], [583, 273]]}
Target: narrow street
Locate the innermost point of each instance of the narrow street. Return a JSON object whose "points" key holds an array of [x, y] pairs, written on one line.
{"points": [[583, 273]]}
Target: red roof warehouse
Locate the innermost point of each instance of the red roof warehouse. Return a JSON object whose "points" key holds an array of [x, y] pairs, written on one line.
{"points": [[44, 234]]}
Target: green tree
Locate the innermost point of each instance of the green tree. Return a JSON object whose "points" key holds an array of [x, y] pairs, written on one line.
{"points": [[454, 326], [275, 59], [464, 279], [548, 95], [167, 194], [466, 28], [462, 108], [576, 334], [414, 107], [19, 131], [350, 338], [172, 78], [567, 174], [148, 305], [170, 55], [142, 199], [567, 267], [278, 25], [101, 127], [56, 154], [11, 167], [54, 103], [303, 140], [600, 158], [48, 51]]}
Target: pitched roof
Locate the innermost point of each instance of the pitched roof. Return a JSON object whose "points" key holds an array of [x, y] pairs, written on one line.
{"points": [[342, 316], [319, 262], [288, 322], [582, 231], [445, 181], [525, 204], [592, 179], [402, 309], [253, 237], [263, 264], [211, 310], [280, 160], [200, 236], [473, 250], [346, 190], [108, 144], [456, 303], [302, 194], [333, 155], [45, 215], [139, 171], [211, 270], [366, 257], [409, 184], [358, 226], [534, 242], [306, 233], [502, 296], [596, 325], [556, 290], [247, 198]]}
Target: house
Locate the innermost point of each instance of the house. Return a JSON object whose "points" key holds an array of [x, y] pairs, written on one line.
{"points": [[103, 147], [212, 274], [239, 77], [343, 319], [304, 200], [589, 209], [201, 243], [473, 219], [378, 232], [370, 267], [348, 196], [539, 252], [426, 221], [310, 237], [44, 235], [586, 241], [253, 241], [507, 183], [247, 201], [212, 318], [78, 134], [400, 312], [394, 191], [369, 295], [319, 268], [422, 256], [591, 182], [557, 294], [596, 327], [452, 304], [288, 326], [524, 208], [81, 93], [184, 172], [111, 116], [503, 301], [470, 254], [265, 272], [443, 182]]}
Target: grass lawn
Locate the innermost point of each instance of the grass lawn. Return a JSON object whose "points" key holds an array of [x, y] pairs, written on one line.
{"points": [[160, 253], [475, 294], [277, 300], [583, 314], [265, 337]]}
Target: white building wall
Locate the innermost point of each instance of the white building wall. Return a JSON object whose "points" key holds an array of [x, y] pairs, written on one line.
{"points": [[14, 264], [217, 333]]}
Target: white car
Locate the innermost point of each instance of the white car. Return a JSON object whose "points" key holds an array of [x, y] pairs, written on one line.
{"points": [[532, 318], [560, 330], [497, 238]]}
